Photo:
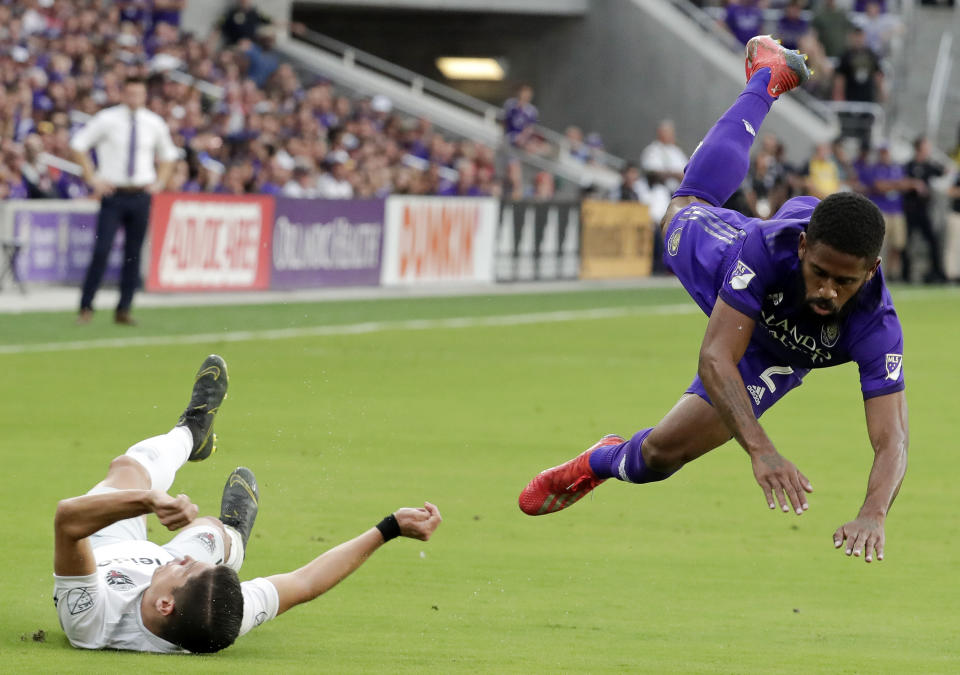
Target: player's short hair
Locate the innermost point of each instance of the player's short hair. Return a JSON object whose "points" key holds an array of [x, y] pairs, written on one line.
{"points": [[849, 223], [207, 613]]}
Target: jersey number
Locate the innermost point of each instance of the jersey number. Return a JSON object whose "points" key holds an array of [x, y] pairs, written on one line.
{"points": [[774, 370]]}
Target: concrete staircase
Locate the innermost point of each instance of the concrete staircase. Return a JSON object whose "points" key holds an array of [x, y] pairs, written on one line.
{"points": [[925, 29]]}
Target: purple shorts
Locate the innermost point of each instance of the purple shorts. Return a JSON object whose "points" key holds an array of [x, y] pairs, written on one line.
{"points": [[700, 244]]}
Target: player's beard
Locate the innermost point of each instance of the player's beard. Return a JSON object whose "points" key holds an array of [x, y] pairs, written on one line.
{"points": [[835, 315]]}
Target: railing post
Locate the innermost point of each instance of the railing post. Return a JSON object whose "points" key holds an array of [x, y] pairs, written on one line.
{"points": [[416, 85], [349, 57]]}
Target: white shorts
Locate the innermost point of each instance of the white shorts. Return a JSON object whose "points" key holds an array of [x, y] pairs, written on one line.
{"points": [[200, 542]]}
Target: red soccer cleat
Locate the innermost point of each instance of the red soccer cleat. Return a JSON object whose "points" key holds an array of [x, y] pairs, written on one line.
{"points": [[788, 68], [562, 486]]}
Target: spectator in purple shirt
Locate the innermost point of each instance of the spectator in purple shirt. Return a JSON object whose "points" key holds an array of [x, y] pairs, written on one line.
{"points": [[519, 118], [887, 182], [792, 26], [168, 11], [744, 19], [466, 185]]}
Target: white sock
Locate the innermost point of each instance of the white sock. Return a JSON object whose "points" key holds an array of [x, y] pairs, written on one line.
{"points": [[236, 549], [161, 456]]}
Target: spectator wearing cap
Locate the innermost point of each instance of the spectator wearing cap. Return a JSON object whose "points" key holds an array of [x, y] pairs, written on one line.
{"points": [[303, 182], [136, 158], [858, 77], [333, 183]]}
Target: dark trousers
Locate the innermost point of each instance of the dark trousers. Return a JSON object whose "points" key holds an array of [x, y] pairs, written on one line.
{"points": [[132, 211], [918, 220]]}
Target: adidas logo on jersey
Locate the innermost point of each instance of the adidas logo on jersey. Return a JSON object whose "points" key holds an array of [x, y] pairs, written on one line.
{"points": [[757, 392]]}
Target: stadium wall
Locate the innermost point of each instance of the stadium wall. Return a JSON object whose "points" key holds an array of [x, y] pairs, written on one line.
{"points": [[209, 242]]}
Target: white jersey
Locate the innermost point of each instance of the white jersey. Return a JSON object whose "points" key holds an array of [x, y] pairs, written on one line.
{"points": [[102, 610]]}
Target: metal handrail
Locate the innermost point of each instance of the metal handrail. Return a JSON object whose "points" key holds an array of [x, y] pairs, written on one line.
{"points": [[414, 80], [208, 88], [491, 114], [708, 24]]}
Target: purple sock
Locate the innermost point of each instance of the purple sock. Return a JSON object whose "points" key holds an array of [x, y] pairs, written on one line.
{"points": [[625, 461], [719, 165]]}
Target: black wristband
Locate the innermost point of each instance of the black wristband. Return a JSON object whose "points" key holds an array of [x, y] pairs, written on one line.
{"points": [[389, 528]]}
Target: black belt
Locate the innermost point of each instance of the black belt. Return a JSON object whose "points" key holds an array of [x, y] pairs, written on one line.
{"points": [[131, 189]]}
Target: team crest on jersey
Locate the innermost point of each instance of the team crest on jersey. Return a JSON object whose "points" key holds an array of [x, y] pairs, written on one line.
{"points": [[757, 392], [741, 276], [118, 579], [775, 298], [829, 333], [673, 243], [894, 364], [78, 601], [207, 540]]}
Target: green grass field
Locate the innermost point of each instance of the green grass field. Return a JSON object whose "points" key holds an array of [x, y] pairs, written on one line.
{"points": [[694, 574]]}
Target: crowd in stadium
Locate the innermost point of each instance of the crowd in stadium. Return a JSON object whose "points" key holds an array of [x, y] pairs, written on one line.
{"points": [[256, 125], [259, 128]]}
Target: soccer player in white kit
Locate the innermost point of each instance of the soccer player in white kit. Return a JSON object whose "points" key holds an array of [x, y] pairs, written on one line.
{"points": [[114, 589]]}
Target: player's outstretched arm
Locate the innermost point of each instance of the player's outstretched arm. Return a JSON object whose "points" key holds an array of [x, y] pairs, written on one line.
{"points": [[79, 517], [326, 571], [889, 436], [724, 344]]}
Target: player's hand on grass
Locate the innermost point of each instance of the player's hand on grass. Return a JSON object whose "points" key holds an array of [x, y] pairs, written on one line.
{"points": [[780, 479], [418, 523], [863, 535], [174, 512]]}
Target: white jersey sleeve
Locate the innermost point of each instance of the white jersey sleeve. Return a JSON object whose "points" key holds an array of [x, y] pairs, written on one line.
{"points": [[82, 608], [260, 603]]}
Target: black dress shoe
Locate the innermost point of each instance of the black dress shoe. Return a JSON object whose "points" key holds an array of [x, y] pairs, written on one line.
{"points": [[122, 317]]}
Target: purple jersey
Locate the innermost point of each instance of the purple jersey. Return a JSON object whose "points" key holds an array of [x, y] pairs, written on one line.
{"points": [[518, 116], [744, 21], [753, 266], [890, 201]]}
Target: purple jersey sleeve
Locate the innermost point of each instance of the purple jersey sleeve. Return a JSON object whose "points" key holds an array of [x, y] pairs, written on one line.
{"points": [[878, 351], [748, 275]]}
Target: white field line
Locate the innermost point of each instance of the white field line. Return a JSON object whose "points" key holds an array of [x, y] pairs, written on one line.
{"points": [[354, 328]]}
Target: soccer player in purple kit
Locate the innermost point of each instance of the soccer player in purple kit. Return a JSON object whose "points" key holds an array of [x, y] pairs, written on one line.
{"points": [[803, 290]]}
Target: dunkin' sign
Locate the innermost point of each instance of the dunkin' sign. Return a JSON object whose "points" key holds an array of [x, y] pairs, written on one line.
{"points": [[210, 242], [436, 239]]}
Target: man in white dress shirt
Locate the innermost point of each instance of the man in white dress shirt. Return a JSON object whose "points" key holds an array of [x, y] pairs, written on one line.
{"points": [[114, 589], [135, 158]]}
